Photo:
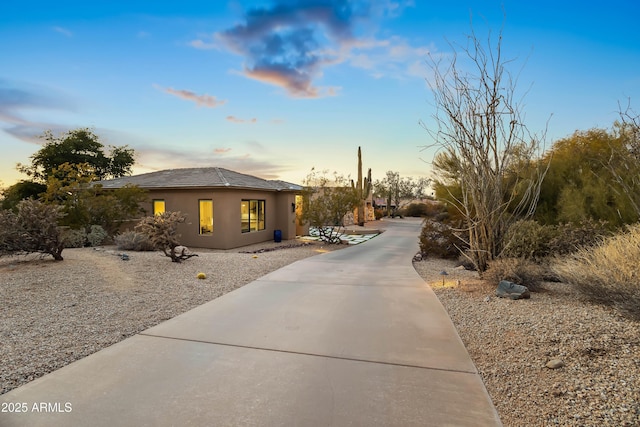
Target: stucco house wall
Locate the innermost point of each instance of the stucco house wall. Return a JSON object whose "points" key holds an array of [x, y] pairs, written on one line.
{"points": [[280, 204]]}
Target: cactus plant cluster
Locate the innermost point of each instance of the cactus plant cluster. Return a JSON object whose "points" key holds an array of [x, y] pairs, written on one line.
{"points": [[362, 189]]}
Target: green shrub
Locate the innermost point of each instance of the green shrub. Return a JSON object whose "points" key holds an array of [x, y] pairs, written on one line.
{"points": [[520, 271], [528, 239], [608, 273], [133, 241], [96, 235], [440, 240], [74, 238], [415, 210]]}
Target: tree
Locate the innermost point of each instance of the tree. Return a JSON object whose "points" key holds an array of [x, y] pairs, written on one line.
{"points": [[78, 147], [581, 182], [19, 191], [326, 202], [86, 203], [163, 233], [399, 191], [33, 229], [480, 133]]}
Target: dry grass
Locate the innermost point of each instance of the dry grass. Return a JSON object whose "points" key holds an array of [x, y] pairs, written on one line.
{"points": [[609, 273]]}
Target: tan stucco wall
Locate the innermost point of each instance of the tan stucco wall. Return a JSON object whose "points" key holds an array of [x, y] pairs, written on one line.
{"points": [[227, 231]]}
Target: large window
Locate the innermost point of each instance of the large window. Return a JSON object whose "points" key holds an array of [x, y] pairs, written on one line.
{"points": [[206, 216], [252, 215], [158, 207]]}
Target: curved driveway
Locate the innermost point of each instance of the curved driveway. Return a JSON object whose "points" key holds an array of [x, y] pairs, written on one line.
{"points": [[347, 338]]}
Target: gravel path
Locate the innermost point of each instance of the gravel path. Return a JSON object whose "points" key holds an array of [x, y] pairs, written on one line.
{"points": [[511, 342], [54, 313]]}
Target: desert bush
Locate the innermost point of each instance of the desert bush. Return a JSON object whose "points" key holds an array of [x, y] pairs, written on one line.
{"points": [[96, 235], [521, 271], [528, 239], [74, 238], [32, 229], [571, 237], [133, 241], [415, 210], [378, 213], [607, 273], [162, 231], [440, 240]]}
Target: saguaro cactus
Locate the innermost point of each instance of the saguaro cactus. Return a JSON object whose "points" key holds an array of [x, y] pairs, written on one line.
{"points": [[362, 189]]}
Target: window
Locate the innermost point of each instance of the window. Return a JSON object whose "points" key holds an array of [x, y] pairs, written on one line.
{"points": [[252, 215], [158, 207], [206, 216]]}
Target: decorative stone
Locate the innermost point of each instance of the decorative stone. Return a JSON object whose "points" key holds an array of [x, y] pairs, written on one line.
{"points": [[487, 298], [417, 257], [554, 364], [508, 289]]}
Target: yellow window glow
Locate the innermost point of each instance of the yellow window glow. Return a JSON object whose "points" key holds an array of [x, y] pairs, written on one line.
{"points": [[206, 216]]}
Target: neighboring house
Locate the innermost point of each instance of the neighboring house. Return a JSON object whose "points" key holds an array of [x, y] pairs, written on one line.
{"points": [[224, 209]]}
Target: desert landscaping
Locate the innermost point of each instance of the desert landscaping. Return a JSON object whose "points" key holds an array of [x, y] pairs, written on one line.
{"points": [[57, 312]]}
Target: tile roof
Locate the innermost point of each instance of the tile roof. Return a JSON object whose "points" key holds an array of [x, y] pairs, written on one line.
{"points": [[211, 177]]}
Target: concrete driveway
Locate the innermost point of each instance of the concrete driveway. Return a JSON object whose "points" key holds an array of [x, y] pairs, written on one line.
{"points": [[347, 338]]}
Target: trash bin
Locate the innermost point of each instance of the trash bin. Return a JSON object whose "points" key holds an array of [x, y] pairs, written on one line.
{"points": [[277, 236]]}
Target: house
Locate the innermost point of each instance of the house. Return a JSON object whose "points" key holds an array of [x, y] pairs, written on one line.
{"points": [[224, 209]]}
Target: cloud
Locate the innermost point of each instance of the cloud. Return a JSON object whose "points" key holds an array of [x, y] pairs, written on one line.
{"points": [[288, 44], [205, 100], [151, 158], [283, 44], [62, 31], [221, 150], [234, 119], [18, 99]]}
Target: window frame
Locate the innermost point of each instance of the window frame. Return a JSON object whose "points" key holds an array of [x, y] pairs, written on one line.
{"points": [[200, 218], [258, 218], [156, 211]]}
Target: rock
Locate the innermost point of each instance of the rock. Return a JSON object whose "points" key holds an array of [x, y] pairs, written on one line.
{"points": [[511, 290], [554, 364], [487, 298], [417, 257]]}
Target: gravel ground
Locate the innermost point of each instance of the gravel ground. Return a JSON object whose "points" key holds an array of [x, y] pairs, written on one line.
{"points": [[511, 342], [54, 313]]}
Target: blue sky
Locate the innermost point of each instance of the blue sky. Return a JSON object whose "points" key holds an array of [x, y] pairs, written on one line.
{"points": [[274, 88]]}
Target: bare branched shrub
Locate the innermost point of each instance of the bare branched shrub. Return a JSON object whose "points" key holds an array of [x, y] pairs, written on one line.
{"points": [[33, 229], [608, 273], [326, 203], [133, 241], [485, 150], [162, 231], [520, 271]]}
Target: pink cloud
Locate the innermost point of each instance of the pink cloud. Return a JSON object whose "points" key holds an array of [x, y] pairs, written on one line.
{"points": [[235, 119], [205, 100]]}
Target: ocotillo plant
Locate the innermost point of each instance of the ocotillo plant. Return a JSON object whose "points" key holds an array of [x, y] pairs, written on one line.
{"points": [[362, 189]]}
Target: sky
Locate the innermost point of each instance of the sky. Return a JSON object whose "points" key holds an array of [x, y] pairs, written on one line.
{"points": [[274, 88]]}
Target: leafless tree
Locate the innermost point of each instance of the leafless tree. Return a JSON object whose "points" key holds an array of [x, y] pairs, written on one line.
{"points": [[624, 161], [483, 146], [162, 231]]}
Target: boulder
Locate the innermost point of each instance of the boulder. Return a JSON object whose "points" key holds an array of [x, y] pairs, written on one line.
{"points": [[511, 290], [554, 364]]}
